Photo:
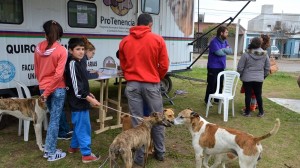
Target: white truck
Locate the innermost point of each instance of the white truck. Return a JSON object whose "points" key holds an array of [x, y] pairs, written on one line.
{"points": [[103, 22]]}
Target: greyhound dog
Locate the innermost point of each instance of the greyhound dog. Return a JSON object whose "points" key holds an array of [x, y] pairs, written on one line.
{"points": [[211, 139], [134, 138], [26, 109], [126, 123]]}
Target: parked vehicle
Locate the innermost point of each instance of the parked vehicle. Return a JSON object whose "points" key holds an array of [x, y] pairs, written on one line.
{"points": [[103, 22], [275, 51]]}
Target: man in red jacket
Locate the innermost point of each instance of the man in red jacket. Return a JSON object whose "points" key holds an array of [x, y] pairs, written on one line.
{"points": [[144, 61]]}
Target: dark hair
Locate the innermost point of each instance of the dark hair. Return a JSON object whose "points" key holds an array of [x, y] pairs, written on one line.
{"points": [[53, 32], [144, 19], [265, 41], [73, 42], [220, 30], [255, 43]]}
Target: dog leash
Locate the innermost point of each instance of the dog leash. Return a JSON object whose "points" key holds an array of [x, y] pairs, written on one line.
{"points": [[106, 161], [120, 112]]}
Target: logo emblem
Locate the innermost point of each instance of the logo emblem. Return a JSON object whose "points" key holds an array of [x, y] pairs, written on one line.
{"points": [[7, 71], [119, 7], [109, 62]]}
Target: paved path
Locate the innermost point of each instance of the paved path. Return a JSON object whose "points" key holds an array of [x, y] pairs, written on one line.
{"points": [[291, 104]]}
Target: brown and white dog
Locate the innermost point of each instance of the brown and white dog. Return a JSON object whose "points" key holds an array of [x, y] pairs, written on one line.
{"points": [[133, 139], [26, 109], [211, 139]]}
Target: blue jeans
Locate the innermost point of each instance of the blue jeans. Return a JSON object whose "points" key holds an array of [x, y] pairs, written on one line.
{"points": [[64, 127], [55, 103]]}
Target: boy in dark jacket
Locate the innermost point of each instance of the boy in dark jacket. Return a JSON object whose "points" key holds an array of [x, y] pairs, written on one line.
{"points": [[79, 99]]}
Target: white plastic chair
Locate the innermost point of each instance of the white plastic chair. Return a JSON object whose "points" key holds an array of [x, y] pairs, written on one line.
{"points": [[230, 81], [19, 88]]}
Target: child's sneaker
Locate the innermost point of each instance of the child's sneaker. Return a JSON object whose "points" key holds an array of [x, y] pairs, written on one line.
{"points": [[56, 156], [73, 150], [66, 137], [46, 153], [90, 158]]}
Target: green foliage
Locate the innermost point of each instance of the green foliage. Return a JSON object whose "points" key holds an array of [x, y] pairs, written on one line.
{"points": [[231, 31]]}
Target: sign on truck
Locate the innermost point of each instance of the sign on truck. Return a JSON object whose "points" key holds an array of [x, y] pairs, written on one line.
{"points": [[103, 22]]}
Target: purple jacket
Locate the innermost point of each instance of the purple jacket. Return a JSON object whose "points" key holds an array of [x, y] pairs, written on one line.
{"points": [[217, 53]]}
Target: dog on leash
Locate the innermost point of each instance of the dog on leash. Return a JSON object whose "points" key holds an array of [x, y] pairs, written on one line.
{"points": [[132, 139], [26, 109], [211, 139], [126, 123]]}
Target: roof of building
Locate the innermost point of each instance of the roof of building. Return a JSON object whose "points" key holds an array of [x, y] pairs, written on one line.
{"points": [[205, 25]]}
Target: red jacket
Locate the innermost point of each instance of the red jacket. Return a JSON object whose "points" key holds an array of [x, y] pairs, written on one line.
{"points": [[49, 66], [143, 56]]}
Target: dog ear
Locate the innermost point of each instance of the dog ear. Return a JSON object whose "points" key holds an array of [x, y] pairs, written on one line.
{"points": [[190, 108], [194, 114]]}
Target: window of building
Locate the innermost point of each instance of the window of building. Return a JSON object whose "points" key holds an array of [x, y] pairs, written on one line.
{"points": [[82, 14], [11, 11], [150, 6]]}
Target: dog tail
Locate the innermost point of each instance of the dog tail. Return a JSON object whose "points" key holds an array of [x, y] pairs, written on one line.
{"points": [[272, 132]]}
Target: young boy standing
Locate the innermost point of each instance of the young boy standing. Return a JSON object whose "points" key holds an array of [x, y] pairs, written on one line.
{"points": [[79, 99]]}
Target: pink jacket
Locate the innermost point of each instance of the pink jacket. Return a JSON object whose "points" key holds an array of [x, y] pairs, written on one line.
{"points": [[49, 66]]}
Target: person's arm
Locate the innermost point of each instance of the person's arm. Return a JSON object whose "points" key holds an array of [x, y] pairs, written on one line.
{"points": [[36, 65], [241, 64], [122, 57], [163, 61], [91, 98], [267, 67], [220, 52], [77, 83], [227, 50], [92, 75], [215, 48]]}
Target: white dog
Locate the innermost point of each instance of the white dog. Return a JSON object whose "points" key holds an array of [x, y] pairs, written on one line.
{"points": [[211, 139], [26, 109]]}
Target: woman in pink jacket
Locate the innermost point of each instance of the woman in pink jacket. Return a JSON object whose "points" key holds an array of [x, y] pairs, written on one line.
{"points": [[49, 63]]}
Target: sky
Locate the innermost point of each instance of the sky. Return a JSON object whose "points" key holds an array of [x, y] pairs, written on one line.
{"points": [[219, 11]]}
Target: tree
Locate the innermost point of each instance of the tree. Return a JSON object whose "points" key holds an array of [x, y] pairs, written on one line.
{"points": [[283, 31], [231, 31]]}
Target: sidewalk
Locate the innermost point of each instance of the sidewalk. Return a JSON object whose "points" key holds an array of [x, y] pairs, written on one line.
{"points": [[291, 104]]}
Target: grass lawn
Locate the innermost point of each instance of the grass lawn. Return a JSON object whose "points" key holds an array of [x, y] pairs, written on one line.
{"points": [[279, 151]]}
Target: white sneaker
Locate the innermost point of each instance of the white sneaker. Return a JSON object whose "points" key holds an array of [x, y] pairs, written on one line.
{"points": [[56, 156], [46, 153]]}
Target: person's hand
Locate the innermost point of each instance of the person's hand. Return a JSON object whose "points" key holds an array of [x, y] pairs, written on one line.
{"points": [[43, 98], [93, 101], [120, 73], [92, 95], [93, 71], [99, 73]]}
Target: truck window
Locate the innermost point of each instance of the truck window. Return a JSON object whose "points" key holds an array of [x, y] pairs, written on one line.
{"points": [[82, 14], [150, 6], [11, 12]]}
